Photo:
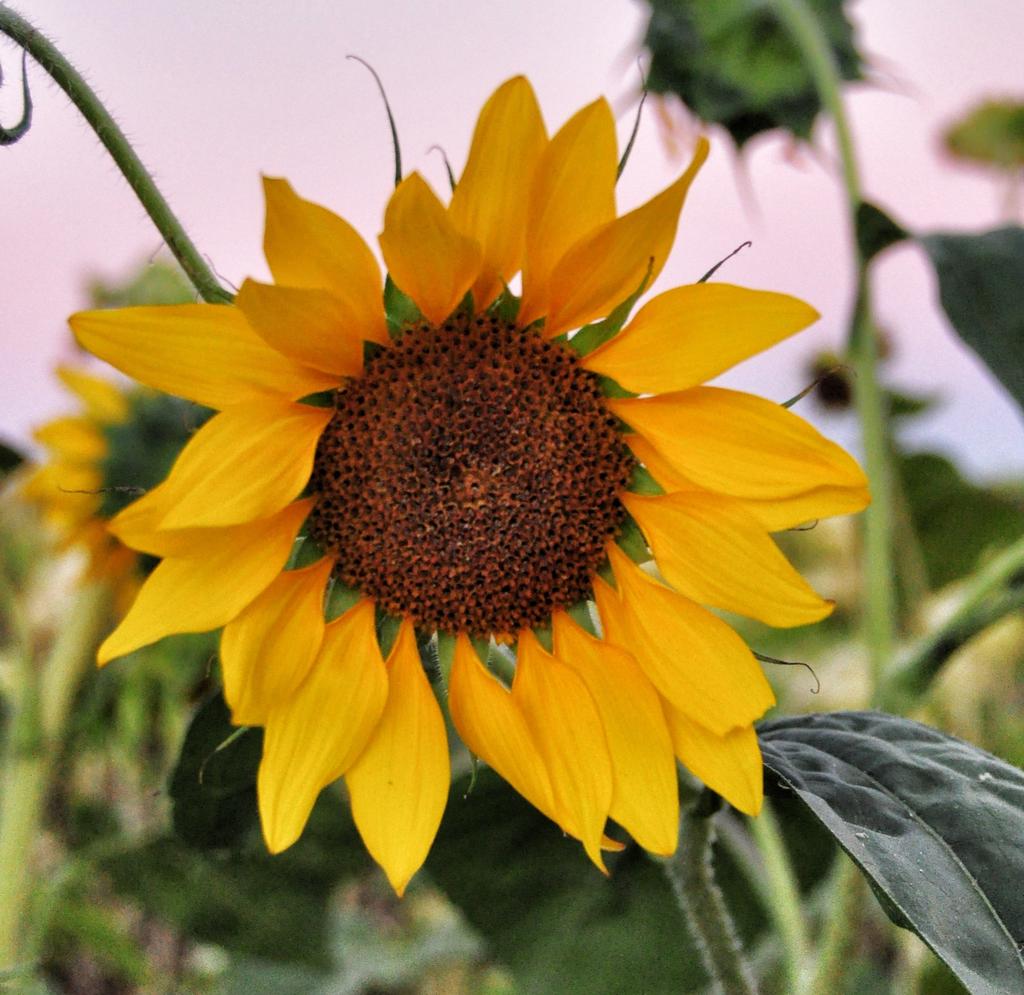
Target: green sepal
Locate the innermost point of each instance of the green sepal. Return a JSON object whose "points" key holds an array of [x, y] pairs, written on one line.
{"points": [[482, 646], [307, 551], [501, 661], [631, 541], [588, 338], [387, 631], [506, 305], [427, 649], [400, 309], [611, 388], [445, 657], [340, 597], [543, 634], [582, 613], [319, 399], [643, 483]]}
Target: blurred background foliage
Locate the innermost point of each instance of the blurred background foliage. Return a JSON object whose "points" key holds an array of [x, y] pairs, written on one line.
{"points": [[149, 872]]}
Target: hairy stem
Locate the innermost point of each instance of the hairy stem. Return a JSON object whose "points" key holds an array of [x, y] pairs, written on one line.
{"points": [[690, 871], [783, 900], [47, 55]]}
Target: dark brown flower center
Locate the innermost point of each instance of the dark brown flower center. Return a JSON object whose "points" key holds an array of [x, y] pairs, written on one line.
{"points": [[470, 477]]}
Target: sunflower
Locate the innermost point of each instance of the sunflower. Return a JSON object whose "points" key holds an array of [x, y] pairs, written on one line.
{"points": [[485, 473], [123, 440], [68, 487]]}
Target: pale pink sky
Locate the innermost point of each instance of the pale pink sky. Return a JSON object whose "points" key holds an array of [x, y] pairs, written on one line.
{"points": [[214, 93]]}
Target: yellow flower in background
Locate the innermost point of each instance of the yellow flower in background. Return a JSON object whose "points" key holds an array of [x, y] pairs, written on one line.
{"points": [[68, 487], [469, 473]]}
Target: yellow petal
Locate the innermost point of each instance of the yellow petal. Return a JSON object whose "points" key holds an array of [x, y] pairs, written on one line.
{"points": [[399, 784], [774, 514], [315, 736], [607, 265], [307, 245], [308, 325], [492, 726], [692, 657], [138, 526], [204, 352], [690, 334], [425, 253], [77, 440], [103, 400], [72, 487], [709, 548], [645, 796], [729, 764], [490, 201], [567, 729], [266, 652], [738, 444], [226, 569], [245, 463], [573, 194]]}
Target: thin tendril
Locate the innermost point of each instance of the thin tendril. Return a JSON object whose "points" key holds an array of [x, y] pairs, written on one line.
{"points": [[790, 663], [8, 136], [391, 117], [721, 262], [447, 164], [636, 127], [814, 383]]}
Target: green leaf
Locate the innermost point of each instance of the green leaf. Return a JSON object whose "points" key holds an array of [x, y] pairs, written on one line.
{"points": [[213, 787], [876, 231], [980, 280], [733, 63], [10, 458], [956, 522], [934, 824], [549, 914], [153, 283]]}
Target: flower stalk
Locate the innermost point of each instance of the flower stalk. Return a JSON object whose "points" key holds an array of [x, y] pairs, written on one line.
{"points": [[107, 130], [691, 874]]}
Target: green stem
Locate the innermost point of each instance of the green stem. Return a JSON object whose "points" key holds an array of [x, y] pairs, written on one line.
{"points": [[879, 573], [845, 891], [114, 141], [35, 736], [784, 904], [989, 595], [690, 871]]}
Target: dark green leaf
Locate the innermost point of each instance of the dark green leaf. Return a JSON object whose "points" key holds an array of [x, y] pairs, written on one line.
{"points": [[141, 449], [213, 787], [956, 522], [934, 823], [733, 63], [250, 903], [980, 280], [549, 914], [10, 458], [876, 231]]}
